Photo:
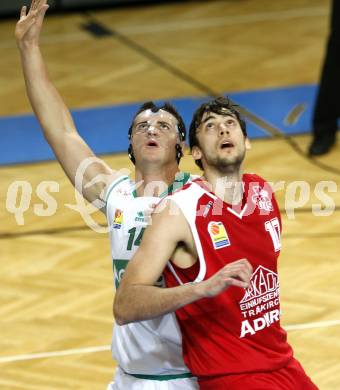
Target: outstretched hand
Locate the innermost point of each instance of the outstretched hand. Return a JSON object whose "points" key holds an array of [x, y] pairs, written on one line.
{"points": [[27, 30]]}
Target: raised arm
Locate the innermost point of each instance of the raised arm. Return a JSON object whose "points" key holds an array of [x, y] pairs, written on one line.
{"points": [[137, 298], [49, 108]]}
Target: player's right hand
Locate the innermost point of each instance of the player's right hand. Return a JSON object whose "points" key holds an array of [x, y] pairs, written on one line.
{"points": [[27, 30], [236, 274]]}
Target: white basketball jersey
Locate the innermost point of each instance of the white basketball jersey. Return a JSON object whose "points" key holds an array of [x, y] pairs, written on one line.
{"points": [[151, 347]]}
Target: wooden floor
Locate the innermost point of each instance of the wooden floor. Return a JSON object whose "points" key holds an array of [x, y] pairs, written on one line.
{"points": [[56, 285]]}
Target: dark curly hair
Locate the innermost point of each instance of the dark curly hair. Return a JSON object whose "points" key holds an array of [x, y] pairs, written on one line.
{"points": [[221, 106]]}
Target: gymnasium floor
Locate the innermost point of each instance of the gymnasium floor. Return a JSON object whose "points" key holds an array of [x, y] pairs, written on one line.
{"points": [[56, 284]]}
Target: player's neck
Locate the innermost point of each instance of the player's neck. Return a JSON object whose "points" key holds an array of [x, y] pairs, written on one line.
{"points": [[154, 180], [227, 186]]}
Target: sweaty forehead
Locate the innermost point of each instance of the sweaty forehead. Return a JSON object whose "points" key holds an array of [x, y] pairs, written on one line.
{"points": [[160, 115]]}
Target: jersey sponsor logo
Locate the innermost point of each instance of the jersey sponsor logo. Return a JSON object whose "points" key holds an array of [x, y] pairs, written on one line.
{"points": [[253, 326], [218, 235], [140, 217], [119, 269], [261, 199], [260, 305], [118, 219]]}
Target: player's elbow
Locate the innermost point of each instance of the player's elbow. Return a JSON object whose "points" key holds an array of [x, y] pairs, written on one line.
{"points": [[120, 317], [121, 311], [120, 320]]}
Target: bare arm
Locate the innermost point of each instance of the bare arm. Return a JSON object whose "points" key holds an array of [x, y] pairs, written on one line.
{"points": [[49, 108], [137, 298]]}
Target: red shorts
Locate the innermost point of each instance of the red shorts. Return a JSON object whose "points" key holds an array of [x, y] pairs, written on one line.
{"points": [[290, 377]]}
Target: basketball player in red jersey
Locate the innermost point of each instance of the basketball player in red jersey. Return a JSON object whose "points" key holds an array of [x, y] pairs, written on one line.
{"points": [[222, 233]]}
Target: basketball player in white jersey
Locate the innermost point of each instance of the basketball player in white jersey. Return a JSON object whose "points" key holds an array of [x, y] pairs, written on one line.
{"points": [[148, 353]]}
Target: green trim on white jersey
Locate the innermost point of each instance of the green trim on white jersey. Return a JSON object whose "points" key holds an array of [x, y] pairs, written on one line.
{"points": [[162, 377]]}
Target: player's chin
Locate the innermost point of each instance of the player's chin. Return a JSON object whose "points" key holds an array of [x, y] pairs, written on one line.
{"points": [[154, 156], [228, 152], [227, 160], [232, 156]]}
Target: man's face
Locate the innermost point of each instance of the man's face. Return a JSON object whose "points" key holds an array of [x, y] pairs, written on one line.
{"points": [[222, 143], [154, 136]]}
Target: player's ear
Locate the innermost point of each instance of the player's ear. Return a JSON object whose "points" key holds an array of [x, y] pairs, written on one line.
{"points": [[247, 143], [196, 153]]}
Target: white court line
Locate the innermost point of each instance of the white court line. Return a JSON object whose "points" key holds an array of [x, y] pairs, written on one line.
{"points": [[42, 355], [312, 325], [227, 20], [80, 351]]}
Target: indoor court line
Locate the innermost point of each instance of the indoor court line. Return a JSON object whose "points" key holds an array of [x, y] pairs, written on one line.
{"points": [[80, 351], [313, 325], [186, 25], [43, 355]]}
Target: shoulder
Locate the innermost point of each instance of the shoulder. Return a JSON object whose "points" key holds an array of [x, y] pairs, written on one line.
{"points": [[167, 220], [121, 187], [253, 178], [188, 199], [261, 193], [257, 183], [190, 191]]}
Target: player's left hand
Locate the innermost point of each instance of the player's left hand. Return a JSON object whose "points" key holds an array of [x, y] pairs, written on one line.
{"points": [[27, 30]]}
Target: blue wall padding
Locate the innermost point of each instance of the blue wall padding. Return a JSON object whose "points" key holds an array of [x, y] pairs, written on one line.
{"points": [[105, 128]]}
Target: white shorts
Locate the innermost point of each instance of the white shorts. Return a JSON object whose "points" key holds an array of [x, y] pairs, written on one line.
{"points": [[125, 381]]}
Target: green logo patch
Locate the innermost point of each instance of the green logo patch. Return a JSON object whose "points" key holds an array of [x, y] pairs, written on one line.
{"points": [[119, 269]]}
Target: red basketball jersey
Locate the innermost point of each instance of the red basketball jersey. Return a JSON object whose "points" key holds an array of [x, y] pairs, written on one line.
{"points": [[239, 330]]}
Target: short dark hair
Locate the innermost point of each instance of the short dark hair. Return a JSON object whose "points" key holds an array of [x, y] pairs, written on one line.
{"points": [[168, 107], [221, 106]]}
